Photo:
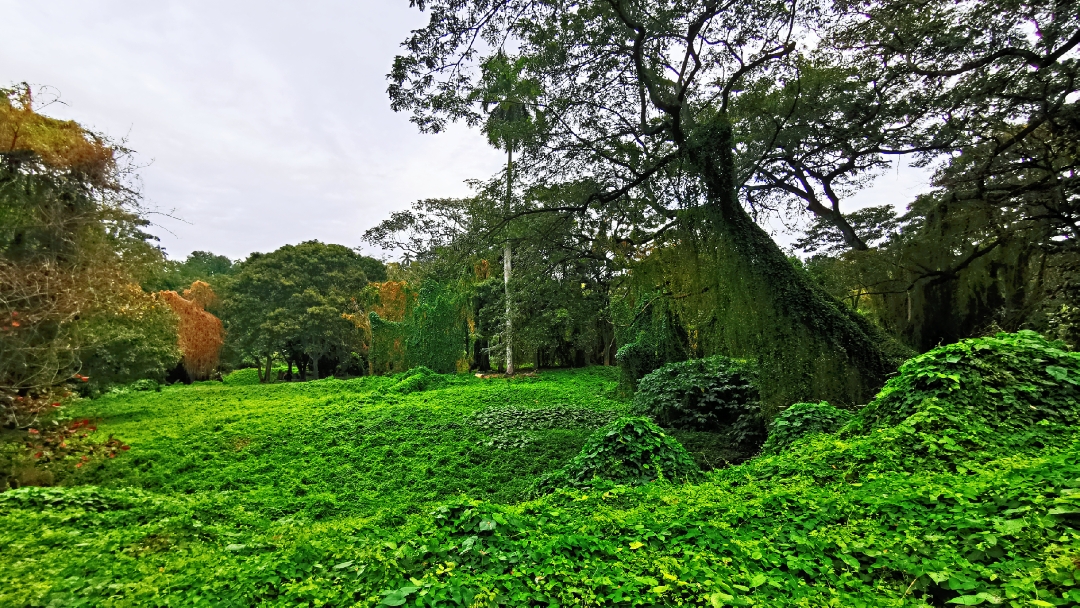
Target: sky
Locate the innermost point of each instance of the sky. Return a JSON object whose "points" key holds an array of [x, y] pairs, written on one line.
{"points": [[258, 124]]}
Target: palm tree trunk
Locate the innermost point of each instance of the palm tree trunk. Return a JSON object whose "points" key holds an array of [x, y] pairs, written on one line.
{"points": [[506, 266]]}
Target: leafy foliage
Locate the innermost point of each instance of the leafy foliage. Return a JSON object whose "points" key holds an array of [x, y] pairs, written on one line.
{"points": [[128, 337], [711, 394], [507, 418], [72, 253], [436, 331], [261, 500], [650, 336], [629, 451], [1011, 381], [416, 379], [512, 427], [300, 301], [801, 420]]}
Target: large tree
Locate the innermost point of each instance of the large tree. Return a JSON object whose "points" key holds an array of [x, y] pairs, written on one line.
{"points": [[639, 93], [72, 252], [298, 301]]}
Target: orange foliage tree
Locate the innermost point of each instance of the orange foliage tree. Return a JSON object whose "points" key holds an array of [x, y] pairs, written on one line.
{"points": [[201, 334]]}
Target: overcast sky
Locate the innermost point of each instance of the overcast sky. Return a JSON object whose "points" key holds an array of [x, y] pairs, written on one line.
{"points": [[260, 123]]}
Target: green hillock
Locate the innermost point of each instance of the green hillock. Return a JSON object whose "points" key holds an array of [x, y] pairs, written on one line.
{"points": [[630, 451]]}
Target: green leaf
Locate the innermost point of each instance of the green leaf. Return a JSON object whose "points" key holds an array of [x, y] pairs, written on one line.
{"points": [[398, 597], [1059, 373], [966, 600], [758, 580]]}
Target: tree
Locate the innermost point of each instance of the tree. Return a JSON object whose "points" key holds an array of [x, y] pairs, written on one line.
{"points": [[299, 300], [72, 252], [198, 266], [507, 99], [639, 94], [201, 334]]}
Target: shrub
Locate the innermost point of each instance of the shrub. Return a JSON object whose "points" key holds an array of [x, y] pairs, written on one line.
{"points": [[1009, 381], [242, 377], [417, 379], [712, 394], [629, 451], [800, 420]]}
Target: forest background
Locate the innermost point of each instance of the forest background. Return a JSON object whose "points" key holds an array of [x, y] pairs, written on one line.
{"points": [[624, 222]]}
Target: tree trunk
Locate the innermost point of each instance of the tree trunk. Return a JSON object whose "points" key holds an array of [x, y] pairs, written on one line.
{"points": [[808, 345], [506, 267], [269, 368]]}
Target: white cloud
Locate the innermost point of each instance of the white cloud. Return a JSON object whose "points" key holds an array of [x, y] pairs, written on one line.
{"points": [[266, 123]]}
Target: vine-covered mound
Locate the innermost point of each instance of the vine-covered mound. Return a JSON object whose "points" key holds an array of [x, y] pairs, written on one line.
{"points": [[1007, 382], [800, 420], [629, 451], [715, 394], [417, 379]]}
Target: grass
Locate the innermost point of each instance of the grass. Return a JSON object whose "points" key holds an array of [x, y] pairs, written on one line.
{"points": [[357, 492]]}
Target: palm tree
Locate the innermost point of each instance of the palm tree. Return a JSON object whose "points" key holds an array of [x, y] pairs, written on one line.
{"points": [[508, 100]]}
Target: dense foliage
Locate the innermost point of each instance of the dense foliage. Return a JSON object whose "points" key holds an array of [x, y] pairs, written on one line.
{"points": [[299, 302], [1011, 381], [629, 451], [72, 255], [200, 333], [715, 394], [262, 500], [802, 420]]}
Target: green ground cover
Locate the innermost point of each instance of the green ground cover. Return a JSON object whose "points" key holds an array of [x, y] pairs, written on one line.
{"points": [[369, 492]]}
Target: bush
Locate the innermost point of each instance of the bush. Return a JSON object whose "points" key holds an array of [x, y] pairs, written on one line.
{"points": [[242, 377], [1009, 381], [800, 420], [629, 451], [712, 394], [415, 380]]}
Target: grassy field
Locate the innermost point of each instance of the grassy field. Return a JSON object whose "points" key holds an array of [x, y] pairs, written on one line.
{"points": [[399, 491]]}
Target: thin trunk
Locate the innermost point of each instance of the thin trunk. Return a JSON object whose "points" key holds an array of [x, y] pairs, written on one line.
{"points": [[506, 266], [269, 368]]}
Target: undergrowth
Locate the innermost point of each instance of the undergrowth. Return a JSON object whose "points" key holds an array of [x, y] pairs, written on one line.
{"points": [[934, 504]]}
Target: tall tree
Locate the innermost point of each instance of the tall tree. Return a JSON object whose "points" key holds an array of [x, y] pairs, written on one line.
{"points": [[507, 99], [637, 93]]}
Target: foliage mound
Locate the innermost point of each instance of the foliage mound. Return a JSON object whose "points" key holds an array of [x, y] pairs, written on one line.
{"points": [[1009, 381], [711, 394], [507, 418], [630, 451], [800, 420], [417, 379]]}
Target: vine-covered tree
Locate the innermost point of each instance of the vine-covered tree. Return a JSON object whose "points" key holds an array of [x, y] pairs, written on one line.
{"points": [[638, 93], [72, 254]]}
